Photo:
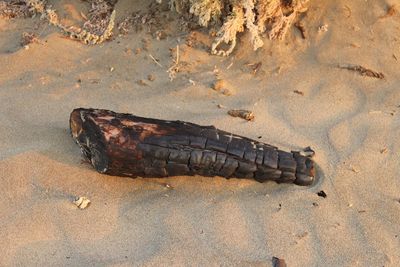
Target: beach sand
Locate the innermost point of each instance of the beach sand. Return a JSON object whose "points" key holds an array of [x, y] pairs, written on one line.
{"points": [[351, 121]]}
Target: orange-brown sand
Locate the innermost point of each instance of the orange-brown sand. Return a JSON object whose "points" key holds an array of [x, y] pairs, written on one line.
{"points": [[351, 121]]}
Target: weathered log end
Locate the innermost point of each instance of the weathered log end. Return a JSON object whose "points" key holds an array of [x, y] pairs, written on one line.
{"points": [[89, 138], [127, 145]]}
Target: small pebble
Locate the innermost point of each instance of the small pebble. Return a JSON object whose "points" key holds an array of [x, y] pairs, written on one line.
{"points": [[354, 169], [128, 51], [142, 83], [322, 194], [221, 86], [220, 106], [277, 262]]}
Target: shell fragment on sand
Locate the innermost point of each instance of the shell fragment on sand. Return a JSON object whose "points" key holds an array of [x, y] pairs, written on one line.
{"points": [[82, 202]]}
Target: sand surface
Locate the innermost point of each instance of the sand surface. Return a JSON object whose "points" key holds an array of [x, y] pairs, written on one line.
{"points": [[351, 121]]}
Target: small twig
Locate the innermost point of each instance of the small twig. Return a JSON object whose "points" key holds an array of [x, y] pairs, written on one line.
{"points": [[384, 150], [299, 25], [83, 16], [257, 67], [29, 38], [390, 12], [348, 9], [355, 45], [177, 55], [375, 112], [175, 67], [155, 60], [362, 70], [298, 92], [254, 66]]}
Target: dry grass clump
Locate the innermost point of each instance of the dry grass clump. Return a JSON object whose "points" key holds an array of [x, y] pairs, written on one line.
{"points": [[14, 9], [29, 38], [259, 17], [139, 20], [102, 31], [100, 16], [95, 30], [20, 8], [273, 17]]}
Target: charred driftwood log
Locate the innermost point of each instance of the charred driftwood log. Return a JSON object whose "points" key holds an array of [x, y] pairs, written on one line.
{"points": [[127, 145]]}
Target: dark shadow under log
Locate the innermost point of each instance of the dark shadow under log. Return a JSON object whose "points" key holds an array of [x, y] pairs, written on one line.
{"points": [[127, 145]]}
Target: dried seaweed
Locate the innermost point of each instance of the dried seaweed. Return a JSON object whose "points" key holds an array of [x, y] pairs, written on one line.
{"points": [[88, 37], [133, 21], [148, 20], [273, 17], [14, 9], [362, 71], [21, 8], [99, 16], [95, 30], [259, 16], [206, 10], [29, 38]]}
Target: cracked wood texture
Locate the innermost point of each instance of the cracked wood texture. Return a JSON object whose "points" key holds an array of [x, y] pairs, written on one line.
{"points": [[127, 145]]}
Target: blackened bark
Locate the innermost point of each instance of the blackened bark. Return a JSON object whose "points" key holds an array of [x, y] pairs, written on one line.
{"points": [[127, 145]]}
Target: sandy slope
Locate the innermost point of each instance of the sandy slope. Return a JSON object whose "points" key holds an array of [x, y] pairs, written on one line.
{"points": [[348, 119]]}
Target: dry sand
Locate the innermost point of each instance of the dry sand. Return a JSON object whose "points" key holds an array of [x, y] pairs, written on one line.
{"points": [[352, 121]]}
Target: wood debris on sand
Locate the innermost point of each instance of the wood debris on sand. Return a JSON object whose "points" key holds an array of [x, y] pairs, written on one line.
{"points": [[362, 70], [127, 145], [242, 113], [277, 262]]}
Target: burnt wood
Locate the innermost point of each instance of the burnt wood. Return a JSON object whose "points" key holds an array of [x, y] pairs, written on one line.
{"points": [[128, 145]]}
